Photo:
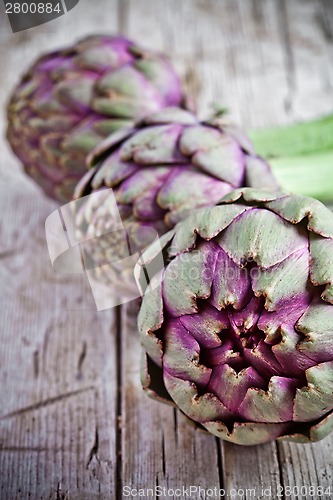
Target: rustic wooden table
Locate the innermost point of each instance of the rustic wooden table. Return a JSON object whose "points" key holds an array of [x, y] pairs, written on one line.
{"points": [[74, 422]]}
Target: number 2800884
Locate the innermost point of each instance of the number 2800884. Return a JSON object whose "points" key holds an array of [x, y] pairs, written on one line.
{"points": [[33, 8], [304, 491]]}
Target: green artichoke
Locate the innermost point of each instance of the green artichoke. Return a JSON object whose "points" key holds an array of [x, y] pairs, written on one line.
{"points": [[237, 329], [160, 171], [71, 99]]}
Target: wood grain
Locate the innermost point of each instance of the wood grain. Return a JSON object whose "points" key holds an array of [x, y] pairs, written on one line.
{"points": [[158, 445], [74, 422], [58, 419]]}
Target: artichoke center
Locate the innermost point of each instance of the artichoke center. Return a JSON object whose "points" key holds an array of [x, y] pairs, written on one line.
{"points": [[243, 329]]}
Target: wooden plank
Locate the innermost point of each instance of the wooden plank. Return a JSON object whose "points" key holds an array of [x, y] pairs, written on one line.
{"points": [[58, 415], [307, 470], [239, 53], [228, 52], [201, 40], [308, 43], [159, 448], [251, 471]]}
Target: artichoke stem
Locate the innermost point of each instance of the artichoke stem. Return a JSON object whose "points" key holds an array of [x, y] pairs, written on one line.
{"points": [[301, 156], [306, 175]]}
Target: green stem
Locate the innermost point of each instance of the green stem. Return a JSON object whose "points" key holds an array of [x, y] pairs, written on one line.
{"points": [[295, 140], [310, 175], [301, 156]]}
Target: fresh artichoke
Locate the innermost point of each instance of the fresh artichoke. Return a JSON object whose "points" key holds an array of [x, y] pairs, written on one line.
{"points": [[71, 99], [160, 171], [237, 329]]}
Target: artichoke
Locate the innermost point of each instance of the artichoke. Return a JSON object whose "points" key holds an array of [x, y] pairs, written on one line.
{"points": [[71, 99], [237, 329], [161, 170]]}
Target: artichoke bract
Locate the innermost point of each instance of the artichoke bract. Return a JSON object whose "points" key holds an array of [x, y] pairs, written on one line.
{"points": [[160, 171], [237, 329], [71, 99]]}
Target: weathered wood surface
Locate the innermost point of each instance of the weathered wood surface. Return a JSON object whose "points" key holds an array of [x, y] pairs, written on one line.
{"points": [[73, 420]]}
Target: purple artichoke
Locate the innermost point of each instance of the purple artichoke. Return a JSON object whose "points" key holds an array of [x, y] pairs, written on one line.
{"points": [[237, 329], [71, 99], [160, 171]]}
